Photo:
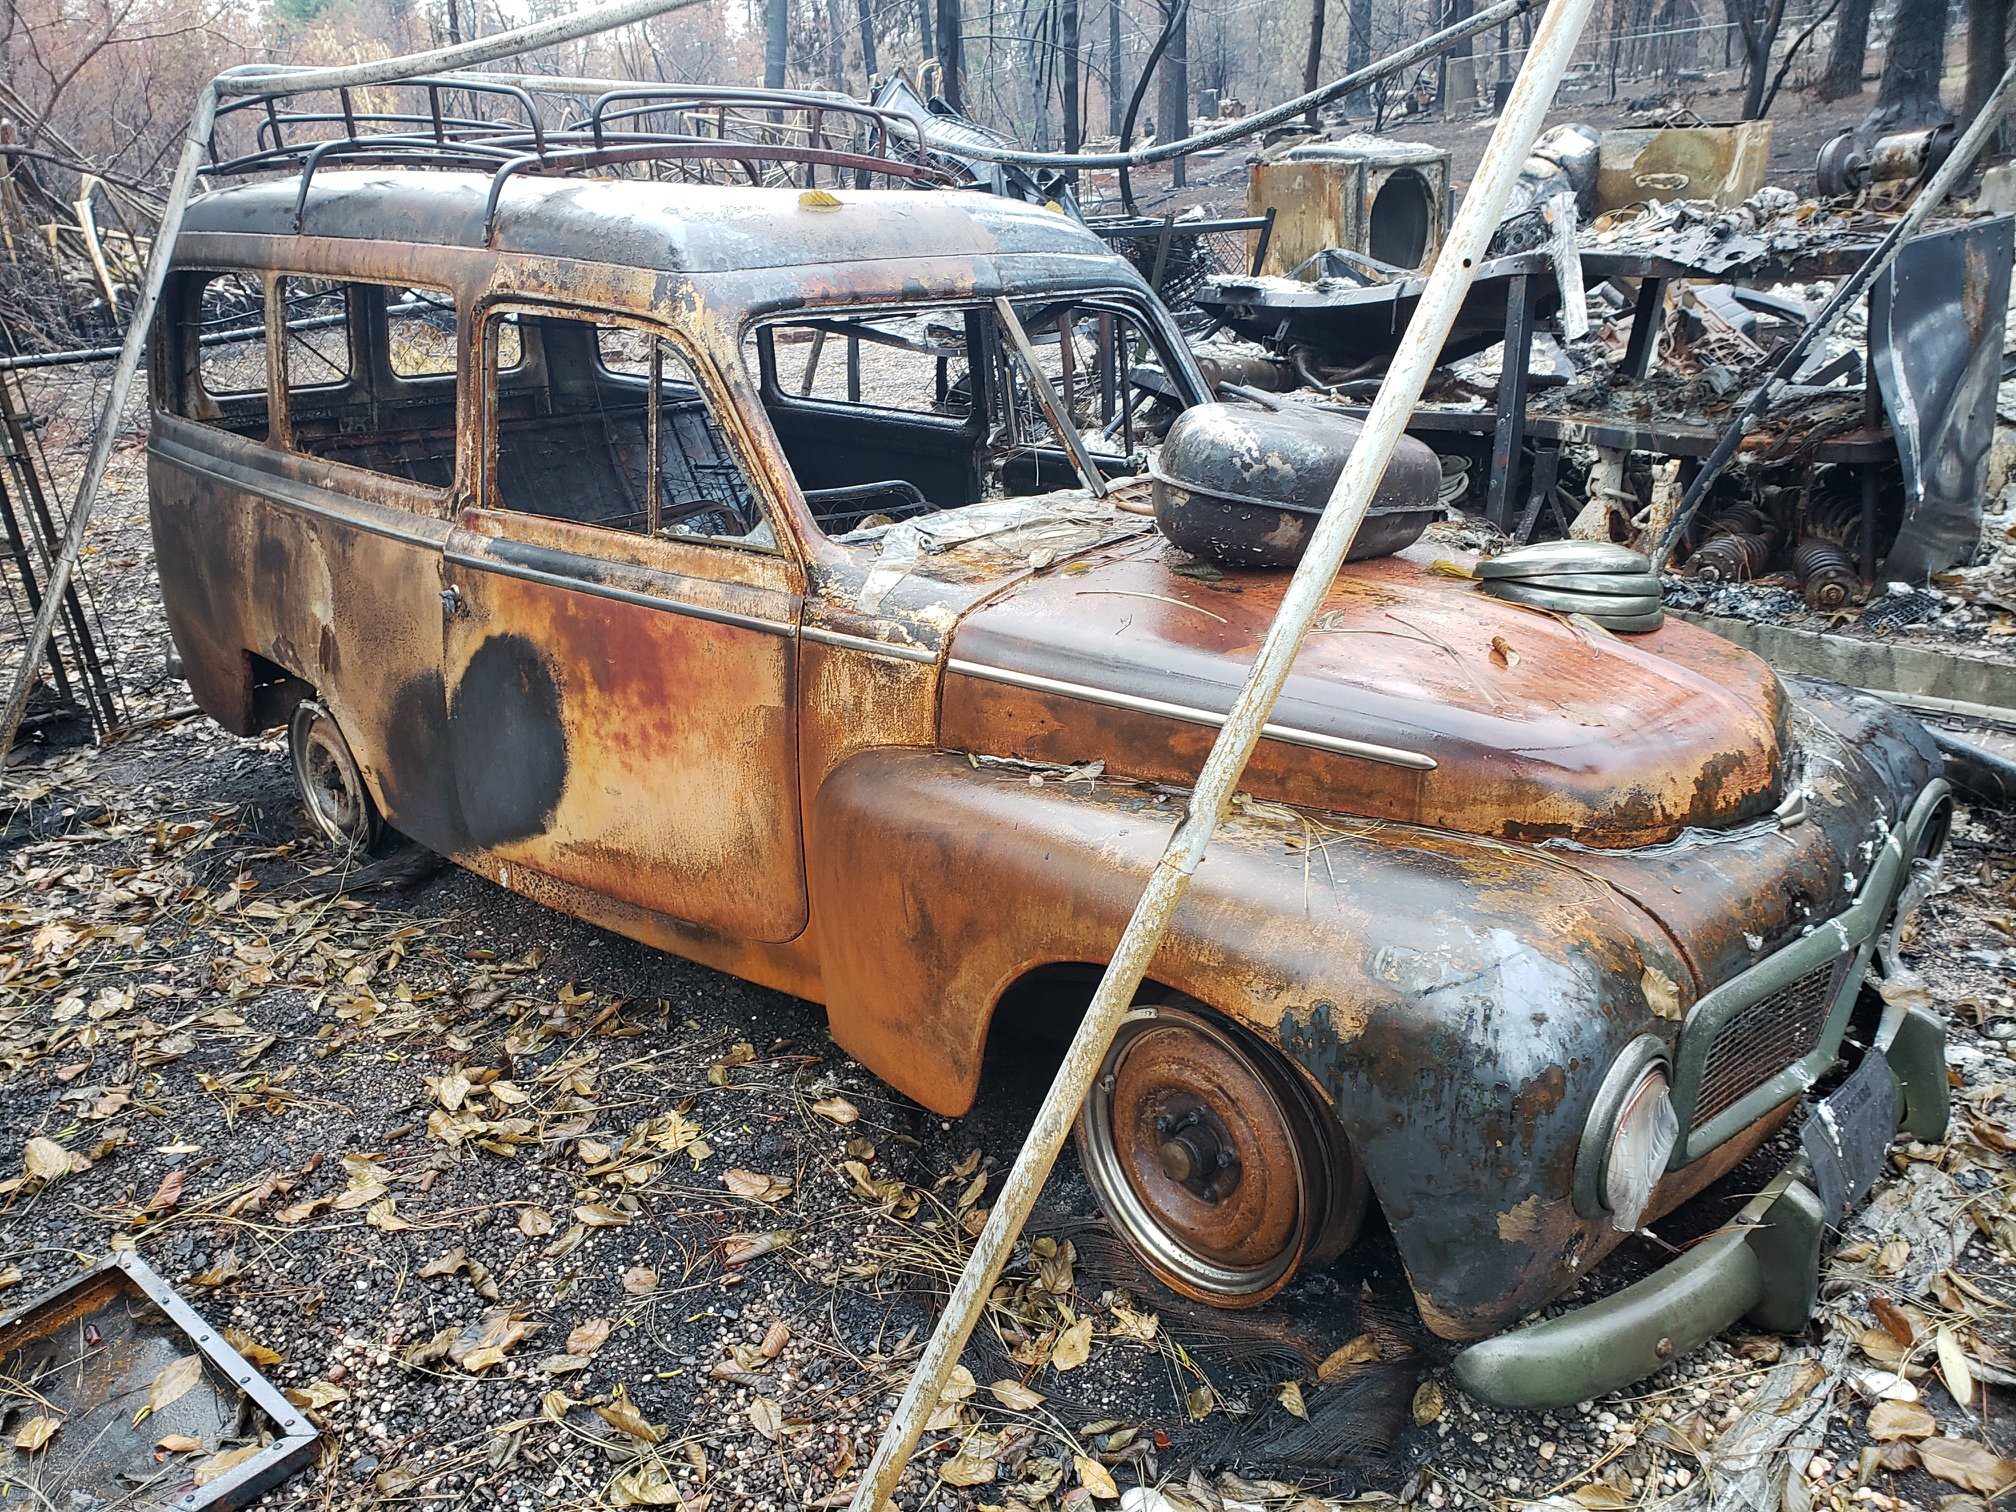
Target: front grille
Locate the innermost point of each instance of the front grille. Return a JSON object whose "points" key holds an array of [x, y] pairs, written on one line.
{"points": [[1764, 1038]]}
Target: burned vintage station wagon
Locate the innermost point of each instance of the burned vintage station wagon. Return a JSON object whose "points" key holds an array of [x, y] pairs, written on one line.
{"points": [[774, 576]]}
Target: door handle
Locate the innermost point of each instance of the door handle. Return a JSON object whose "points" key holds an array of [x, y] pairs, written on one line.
{"points": [[453, 603]]}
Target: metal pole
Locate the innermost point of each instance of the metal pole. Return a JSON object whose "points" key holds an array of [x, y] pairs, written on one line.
{"points": [[1546, 61], [256, 79], [194, 145], [1845, 294]]}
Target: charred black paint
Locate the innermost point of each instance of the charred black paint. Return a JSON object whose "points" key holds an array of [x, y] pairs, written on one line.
{"points": [[510, 750]]}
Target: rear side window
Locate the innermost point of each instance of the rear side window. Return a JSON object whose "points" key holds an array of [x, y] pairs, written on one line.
{"points": [[220, 374], [620, 435], [370, 377]]}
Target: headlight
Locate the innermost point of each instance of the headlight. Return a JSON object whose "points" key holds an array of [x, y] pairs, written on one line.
{"points": [[1628, 1139], [1641, 1142]]}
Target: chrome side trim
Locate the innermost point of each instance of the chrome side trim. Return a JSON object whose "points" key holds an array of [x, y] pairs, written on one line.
{"points": [[1414, 761], [475, 562], [864, 643]]}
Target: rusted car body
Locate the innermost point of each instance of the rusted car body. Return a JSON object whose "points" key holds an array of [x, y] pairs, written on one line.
{"points": [[1495, 873]]}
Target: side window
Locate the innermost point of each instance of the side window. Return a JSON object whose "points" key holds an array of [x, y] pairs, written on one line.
{"points": [[912, 365], [220, 336], [345, 344], [621, 437]]}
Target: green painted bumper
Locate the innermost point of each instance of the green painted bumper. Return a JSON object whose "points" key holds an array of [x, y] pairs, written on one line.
{"points": [[1765, 1267]]}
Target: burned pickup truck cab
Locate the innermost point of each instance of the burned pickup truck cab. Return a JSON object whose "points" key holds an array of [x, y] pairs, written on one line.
{"points": [[764, 574]]}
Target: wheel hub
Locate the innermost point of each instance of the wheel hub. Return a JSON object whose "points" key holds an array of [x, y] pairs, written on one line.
{"points": [[1205, 1156]]}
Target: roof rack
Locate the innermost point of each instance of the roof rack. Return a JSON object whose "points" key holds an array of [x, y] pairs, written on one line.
{"points": [[696, 131]]}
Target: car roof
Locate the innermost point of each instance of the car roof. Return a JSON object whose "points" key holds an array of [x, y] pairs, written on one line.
{"points": [[681, 228]]}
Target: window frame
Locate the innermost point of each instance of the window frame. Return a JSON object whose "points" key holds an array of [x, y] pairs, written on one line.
{"points": [[371, 374], [183, 386], [716, 395]]}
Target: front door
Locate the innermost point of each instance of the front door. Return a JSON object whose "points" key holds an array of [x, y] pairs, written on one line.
{"points": [[620, 634]]}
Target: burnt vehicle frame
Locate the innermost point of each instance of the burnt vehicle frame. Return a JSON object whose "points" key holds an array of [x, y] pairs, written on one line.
{"points": [[1463, 934]]}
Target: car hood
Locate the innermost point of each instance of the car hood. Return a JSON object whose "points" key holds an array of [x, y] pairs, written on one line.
{"points": [[1486, 718]]}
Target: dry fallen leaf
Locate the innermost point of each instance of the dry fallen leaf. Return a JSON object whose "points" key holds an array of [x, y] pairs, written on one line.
{"points": [[230, 1459], [1289, 1394], [1502, 653], [639, 1280], [1427, 1406], [168, 1193], [1600, 1497], [1890, 1421], [1968, 1465], [621, 1415], [1662, 996], [756, 1186], [1953, 1368], [1073, 1347], [45, 1160], [1015, 1396], [1096, 1478], [174, 1381], [1362, 1350], [766, 1418], [838, 1109], [587, 1337], [36, 1432], [178, 1443], [534, 1223]]}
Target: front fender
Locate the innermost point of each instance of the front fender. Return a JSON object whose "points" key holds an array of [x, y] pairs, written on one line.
{"points": [[1458, 1001]]}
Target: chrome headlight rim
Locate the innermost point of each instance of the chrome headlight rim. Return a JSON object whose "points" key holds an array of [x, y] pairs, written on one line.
{"points": [[1643, 1057]]}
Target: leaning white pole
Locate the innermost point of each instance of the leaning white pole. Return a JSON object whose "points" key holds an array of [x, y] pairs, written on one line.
{"points": [[238, 82], [1345, 510]]}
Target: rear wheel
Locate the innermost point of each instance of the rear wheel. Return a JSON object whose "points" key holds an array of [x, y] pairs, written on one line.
{"points": [[330, 781], [1213, 1160]]}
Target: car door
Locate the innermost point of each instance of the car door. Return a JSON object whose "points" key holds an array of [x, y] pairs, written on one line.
{"points": [[620, 624]]}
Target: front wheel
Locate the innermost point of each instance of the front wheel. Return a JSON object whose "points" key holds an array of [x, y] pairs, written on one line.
{"points": [[331, 783], [1214, 1162]]}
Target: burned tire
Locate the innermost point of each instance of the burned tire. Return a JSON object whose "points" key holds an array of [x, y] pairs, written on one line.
{"points": [[1212, 1159], [331, 784]]}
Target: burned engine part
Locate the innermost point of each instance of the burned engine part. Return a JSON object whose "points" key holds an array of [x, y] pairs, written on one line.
{"points": [[1849, 166], [1245, 487], [1738, 546], [1827, 559], [90, 1349], [1267, 373], [1610, 584], [1826, 571]]}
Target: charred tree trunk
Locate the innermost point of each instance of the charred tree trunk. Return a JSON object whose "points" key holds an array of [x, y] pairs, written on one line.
{"points": [[1312, 65], [1172, 105], [925, 49], [1114, 109], [1760, 35], [1850, 50], [951, 54], [1912, 63], [1358, 49], [1987, 51], [776, 38], [869, 67], [836, 47], [1068, 72]]}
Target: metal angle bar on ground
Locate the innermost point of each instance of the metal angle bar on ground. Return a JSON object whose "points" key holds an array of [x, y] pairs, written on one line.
{"points": [[1343, 513], [1851, 289], [255, 80]]}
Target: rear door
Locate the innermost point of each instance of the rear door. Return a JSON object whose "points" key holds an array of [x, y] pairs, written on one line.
{"points": [[620, 625]]}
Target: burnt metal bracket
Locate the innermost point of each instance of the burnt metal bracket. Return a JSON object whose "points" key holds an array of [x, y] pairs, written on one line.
{"points": [[242, 1483]]}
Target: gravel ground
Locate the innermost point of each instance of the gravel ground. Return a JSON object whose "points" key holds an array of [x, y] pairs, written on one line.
{"points": [[523, 1214]]}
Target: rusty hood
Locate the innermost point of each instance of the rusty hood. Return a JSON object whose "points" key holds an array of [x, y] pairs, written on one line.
{"points": [[1492, 719]]}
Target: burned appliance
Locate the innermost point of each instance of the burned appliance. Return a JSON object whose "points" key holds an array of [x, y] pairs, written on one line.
{"points": [[1245, 486], [1388, 200]]}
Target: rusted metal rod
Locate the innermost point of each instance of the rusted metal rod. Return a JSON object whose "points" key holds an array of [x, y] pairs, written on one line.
{"points": [[1851, 289], [254, 79], [1441, 298]]}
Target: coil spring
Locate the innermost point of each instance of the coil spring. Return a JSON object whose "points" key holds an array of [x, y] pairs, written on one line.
{"points": [[1827, 560], [1738, 546]]}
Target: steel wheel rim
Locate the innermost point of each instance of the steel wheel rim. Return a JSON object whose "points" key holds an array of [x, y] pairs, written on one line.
{"points": [[332, 789], [1142, 1204]]}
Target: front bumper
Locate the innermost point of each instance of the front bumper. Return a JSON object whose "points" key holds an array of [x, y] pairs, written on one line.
{"points": [[1764, 1266]]}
